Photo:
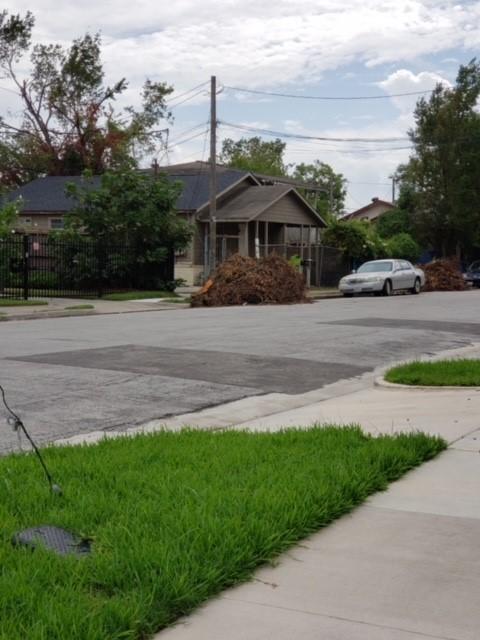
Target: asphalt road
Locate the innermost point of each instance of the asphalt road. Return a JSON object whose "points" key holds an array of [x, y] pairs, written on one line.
{"points": [[75, 375]]}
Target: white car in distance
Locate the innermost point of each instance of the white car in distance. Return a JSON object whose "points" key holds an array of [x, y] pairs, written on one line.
{"points": [[383, 277]]}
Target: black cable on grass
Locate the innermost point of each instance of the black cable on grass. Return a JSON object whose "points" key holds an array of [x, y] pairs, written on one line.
{"points": [[16, 423]]}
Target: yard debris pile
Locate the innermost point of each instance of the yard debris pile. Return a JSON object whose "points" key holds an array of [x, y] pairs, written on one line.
{"points": [[244, 280], [444, 275]]}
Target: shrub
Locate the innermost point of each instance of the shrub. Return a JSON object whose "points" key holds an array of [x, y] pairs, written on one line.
{"points": [[402, 245]]}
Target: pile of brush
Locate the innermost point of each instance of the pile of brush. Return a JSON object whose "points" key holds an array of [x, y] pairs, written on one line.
{"points": [[444, 275], [242, 280]]}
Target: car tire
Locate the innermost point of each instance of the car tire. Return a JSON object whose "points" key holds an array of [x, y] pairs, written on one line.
{"points": [[416, 287], [387, 288]]}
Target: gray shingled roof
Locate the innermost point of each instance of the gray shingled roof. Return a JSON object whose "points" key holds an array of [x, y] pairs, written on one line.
{"points": [[47, 195], [251, 203]]}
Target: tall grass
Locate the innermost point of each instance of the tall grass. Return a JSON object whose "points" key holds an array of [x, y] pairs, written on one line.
{"points": [[175, 518]]}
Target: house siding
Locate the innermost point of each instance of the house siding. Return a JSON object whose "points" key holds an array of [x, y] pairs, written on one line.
{"points": [[287, 210]]}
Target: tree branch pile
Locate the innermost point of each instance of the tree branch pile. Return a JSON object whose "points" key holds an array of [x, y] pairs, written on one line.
{"points": [[242, 280], [444, 275]]}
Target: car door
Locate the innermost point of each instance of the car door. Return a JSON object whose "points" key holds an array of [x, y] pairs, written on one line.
{"points": [[397, 275], [408, 275]]}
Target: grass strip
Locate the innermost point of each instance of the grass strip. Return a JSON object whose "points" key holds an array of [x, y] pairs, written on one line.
{"points": [[6, 302], [79, 307], [461, 373], [175, 518], [138, 295]]}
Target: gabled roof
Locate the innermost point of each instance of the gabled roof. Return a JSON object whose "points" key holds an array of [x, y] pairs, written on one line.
{"points": [[375, 202], [251, 203], [47, 195]]}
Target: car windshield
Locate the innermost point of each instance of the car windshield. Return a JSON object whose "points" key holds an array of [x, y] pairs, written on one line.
{"points": [[371, 267], [475, 266]]}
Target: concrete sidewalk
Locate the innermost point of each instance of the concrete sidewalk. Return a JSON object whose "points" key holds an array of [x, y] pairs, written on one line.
{"points": [[404, 566], [58, 308]]}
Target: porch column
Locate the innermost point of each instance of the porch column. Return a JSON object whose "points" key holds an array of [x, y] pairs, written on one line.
{"points": [[266, 238], [301, 241], [257, 241], [243, 239], [285, 241]]}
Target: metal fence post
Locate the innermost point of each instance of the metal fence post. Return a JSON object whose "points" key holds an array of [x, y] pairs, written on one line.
{"points": [[25, 266]]}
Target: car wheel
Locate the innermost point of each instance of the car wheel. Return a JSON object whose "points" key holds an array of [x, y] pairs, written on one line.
{"points": [[417, 286], [387, 288]]}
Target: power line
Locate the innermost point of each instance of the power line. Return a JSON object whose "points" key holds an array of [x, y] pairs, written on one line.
{"points": [[306, 97], [182, 133], [180, 95], [185, 100], [298, 136]]}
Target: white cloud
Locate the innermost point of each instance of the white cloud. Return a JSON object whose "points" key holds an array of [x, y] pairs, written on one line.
{"points": [[405, 81], [253, 43]]}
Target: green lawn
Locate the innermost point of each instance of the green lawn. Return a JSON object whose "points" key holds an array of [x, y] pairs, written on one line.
{"points": [[7, 302], [79, 307], [442, 373], [139, 295], [175, 518]]}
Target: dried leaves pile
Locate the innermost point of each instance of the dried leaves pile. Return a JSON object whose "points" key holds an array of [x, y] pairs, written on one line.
{"points": [[242, 280], [444, 275]]}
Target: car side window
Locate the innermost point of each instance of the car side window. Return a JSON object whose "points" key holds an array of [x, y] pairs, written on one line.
{"points": [[406, 265]]}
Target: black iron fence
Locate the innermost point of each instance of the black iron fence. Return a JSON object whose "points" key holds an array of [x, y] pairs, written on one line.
{"points": [[41, 265]]}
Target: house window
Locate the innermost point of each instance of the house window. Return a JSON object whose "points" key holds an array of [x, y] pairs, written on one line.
{"points": [[56, 223]]}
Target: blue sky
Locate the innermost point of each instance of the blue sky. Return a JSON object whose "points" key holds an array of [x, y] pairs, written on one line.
{"points": [[306, 47]]}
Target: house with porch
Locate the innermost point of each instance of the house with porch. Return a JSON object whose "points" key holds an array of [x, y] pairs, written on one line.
{"points": [[255, 214]]}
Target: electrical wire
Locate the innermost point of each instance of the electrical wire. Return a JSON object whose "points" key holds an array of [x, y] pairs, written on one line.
{"points": [[185, 93], [17, 424], [298, 136], [306, 97]]}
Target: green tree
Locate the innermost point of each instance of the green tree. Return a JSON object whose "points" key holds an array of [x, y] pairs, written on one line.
{"points": [[255, 155], [441, 182], [356, 238], [403, 246], [69, 122], [9, 216], [331, 200], [129, 207], [393, 222]]}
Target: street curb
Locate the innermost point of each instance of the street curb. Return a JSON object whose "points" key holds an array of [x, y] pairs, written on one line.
{"points": [[381, 382], [87, 312]]}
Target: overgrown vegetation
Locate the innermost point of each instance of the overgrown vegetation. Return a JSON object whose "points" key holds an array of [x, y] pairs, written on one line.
{"points": [[175, 518], [441, 373]]}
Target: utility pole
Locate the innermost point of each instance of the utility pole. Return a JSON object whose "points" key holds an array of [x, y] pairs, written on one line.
{"points": [[212, 245], [330, 195], [393, 188]]}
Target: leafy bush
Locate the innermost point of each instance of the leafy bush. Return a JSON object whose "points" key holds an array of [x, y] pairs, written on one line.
{"points": [[402, 245], [392, 223], [356, 238]]}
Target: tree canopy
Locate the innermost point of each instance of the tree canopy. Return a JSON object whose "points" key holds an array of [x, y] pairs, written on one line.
{"points": [[255, 154], [68, 121], [440, 184], [129, 207], [331, 200]]}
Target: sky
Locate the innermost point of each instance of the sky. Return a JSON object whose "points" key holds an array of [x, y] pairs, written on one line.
{"points": [[327, 48]]}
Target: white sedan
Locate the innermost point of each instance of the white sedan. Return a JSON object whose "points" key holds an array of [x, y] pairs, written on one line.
{"points": [[383, 277]]}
